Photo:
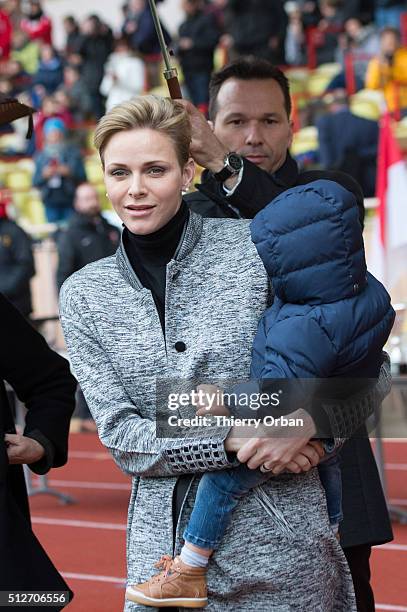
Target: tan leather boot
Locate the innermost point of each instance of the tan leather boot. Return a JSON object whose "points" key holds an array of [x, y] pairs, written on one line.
{"points": [[177, 584]]}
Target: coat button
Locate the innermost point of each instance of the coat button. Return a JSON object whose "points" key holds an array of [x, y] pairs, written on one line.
{"points": [[176, 274], [180, 347], [355, 288]]}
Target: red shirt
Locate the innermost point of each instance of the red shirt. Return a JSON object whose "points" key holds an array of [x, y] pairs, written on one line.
{"points": [[38, 29], [5, 35]]}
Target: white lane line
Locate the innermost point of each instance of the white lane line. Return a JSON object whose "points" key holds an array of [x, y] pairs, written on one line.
{"points": [[396, 466], [379, 606], [101, 455], [78, 484], [40, 520], [93, 578], [398, 502], [402, 547]]}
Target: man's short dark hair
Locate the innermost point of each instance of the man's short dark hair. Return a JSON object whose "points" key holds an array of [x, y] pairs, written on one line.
{"points": [[247, 69]]}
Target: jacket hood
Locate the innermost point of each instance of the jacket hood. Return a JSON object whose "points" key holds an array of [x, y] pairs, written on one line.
{"points": [[310, 241]]}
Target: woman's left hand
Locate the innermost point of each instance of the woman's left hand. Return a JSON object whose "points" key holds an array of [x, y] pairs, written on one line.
{"points": [[278, 448]]}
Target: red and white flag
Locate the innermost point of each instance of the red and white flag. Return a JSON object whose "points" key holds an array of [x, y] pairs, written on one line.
{"points": [[388, 253]]}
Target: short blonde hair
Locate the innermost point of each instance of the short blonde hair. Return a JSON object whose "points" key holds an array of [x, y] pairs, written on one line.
{"points": [[155, 113]]}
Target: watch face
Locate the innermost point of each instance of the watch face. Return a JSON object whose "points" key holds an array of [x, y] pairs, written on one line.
{"points": [[235, 161]]}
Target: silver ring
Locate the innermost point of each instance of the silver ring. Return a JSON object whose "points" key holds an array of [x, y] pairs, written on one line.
{"points": [[264, 469]]}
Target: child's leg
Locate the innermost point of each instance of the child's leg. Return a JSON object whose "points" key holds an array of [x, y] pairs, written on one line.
{"points": [[331, 479], [217, 496], [182, 582]]}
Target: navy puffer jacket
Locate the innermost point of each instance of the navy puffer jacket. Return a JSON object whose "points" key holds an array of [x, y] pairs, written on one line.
{"points": [[330, 317]]}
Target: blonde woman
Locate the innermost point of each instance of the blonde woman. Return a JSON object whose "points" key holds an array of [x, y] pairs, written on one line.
{"points": [[181, 299]]}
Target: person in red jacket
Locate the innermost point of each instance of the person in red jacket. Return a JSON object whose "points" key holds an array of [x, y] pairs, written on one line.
{"points": [[35, 24], [5, 34]]}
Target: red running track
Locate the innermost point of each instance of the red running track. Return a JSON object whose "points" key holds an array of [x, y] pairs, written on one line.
{"points": [[86, 540]]}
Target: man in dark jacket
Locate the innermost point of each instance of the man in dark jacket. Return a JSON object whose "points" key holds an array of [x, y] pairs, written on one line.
{"points": [[348, 143], [41, 379], [87, 238], [250, 113], [198, 37], [16, 260], [257, 27]]}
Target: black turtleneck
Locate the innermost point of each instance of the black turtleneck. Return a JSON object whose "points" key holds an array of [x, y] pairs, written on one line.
{"points": [[149, 255]]}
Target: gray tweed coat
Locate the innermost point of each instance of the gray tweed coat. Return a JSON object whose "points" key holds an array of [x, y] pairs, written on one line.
{"points": [[279, 553]]}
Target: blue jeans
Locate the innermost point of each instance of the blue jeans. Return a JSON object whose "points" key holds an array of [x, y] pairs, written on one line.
{"points": [[219, 493], [331, 479]]}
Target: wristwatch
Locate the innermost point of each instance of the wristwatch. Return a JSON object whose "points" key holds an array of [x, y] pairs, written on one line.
{"points": [[232, 164]]}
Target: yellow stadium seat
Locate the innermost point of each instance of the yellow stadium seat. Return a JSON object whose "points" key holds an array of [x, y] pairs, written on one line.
{"points": [[104, 201], [33, 212], [94, 172], [89, 139], [305, 140], [317, 83], [18, 180], [365, 109], [330, 69]]}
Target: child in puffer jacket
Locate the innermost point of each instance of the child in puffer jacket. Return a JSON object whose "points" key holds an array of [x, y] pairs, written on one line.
{"points": [[330, 319]]}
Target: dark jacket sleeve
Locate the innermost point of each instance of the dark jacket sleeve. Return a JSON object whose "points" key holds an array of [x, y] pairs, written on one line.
{"points": [[66, 258], [42, 381], [15, 281], [256, 189]]}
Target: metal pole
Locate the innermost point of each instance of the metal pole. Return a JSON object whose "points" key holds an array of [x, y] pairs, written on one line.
{"points": [[170, 73]]}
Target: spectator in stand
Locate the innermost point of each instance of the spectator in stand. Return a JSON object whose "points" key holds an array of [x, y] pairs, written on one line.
{"points": [[295, 52], [94, 49], [25, 51], [124, 75], [216, 8], [49, 108], [138, 28], [198, 37], [361, 41], [348, 143], [58, 171], [76, 89], [16, 76], [87, 238], [388, 71], [50, 70], [329, 27], [16, 259], [257, 27], [13, 9], [73, 35], [35, 24], [5, 34], [388, 13]]}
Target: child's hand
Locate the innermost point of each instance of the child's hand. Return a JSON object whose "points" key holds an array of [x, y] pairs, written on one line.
{"points": [[209, 401]]}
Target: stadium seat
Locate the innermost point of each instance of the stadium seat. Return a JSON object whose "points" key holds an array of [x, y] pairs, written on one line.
{"points": [[305, 140], [94, 172], [18, 180]]}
